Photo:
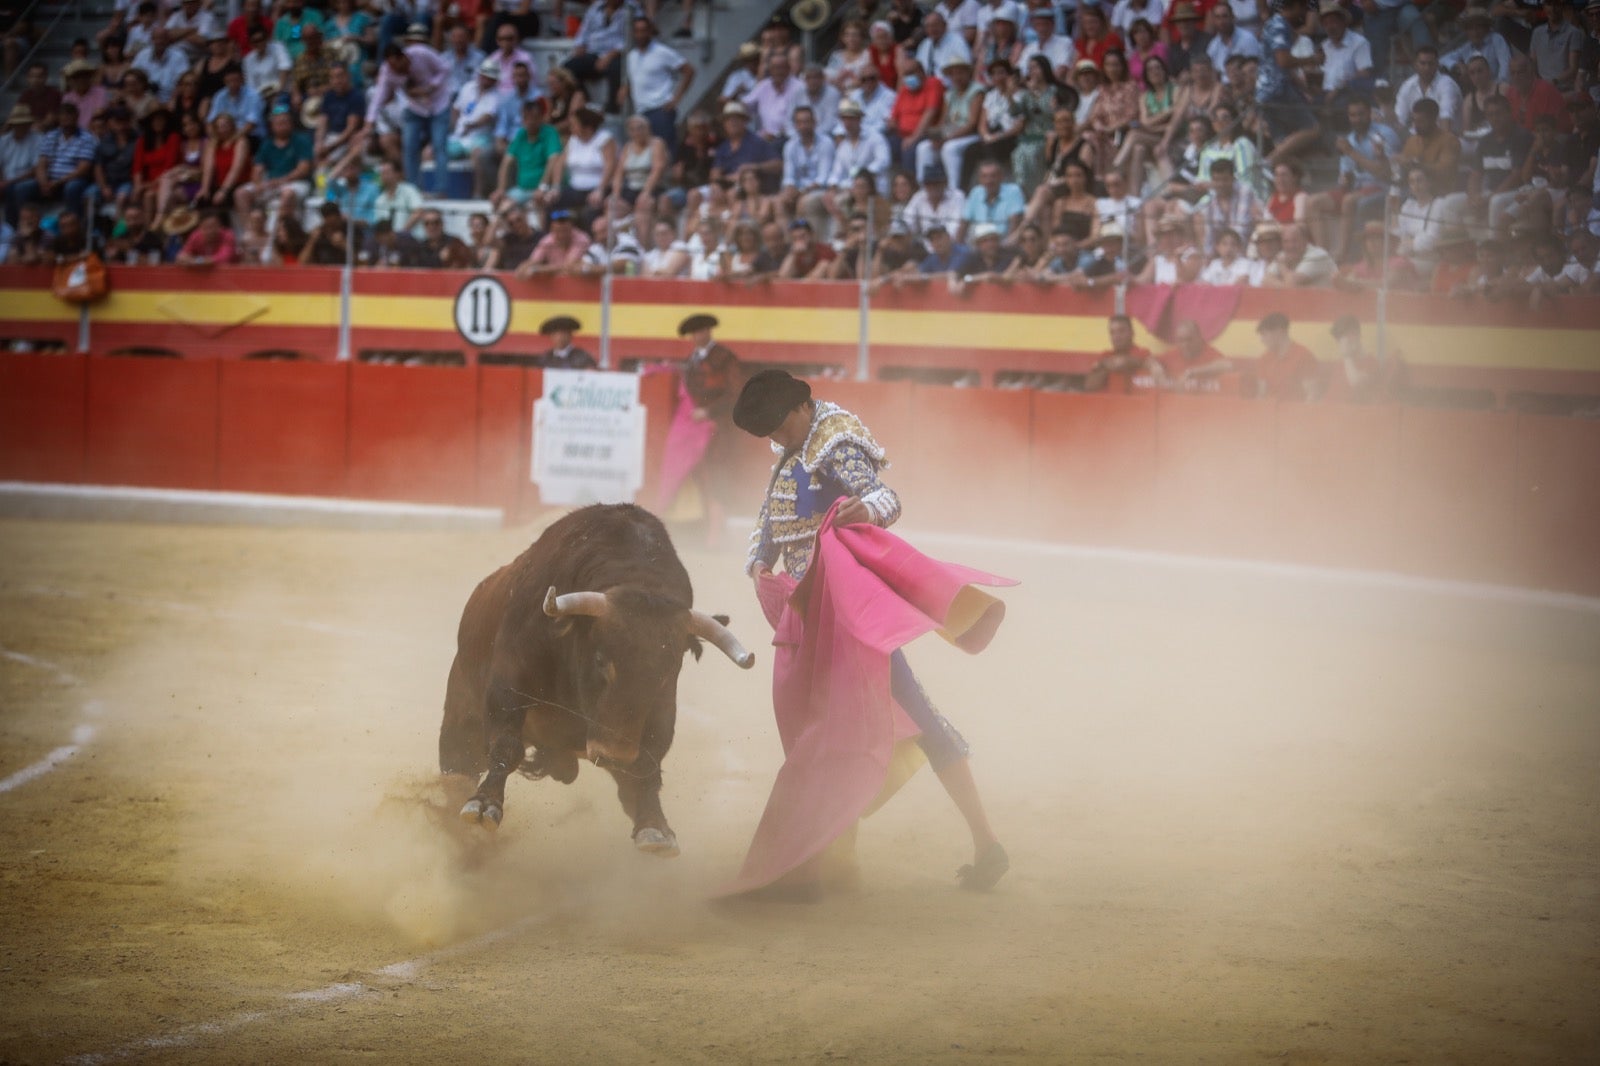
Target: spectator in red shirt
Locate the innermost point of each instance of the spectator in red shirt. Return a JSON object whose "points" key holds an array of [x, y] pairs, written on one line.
{"points": [[211, 242], [154, 155], [918, 110], [807, 257], [1286, 370], [1196, 365], [239, 28], [560, 251], [1126, 368], [1532, 96], [1095, 36]]}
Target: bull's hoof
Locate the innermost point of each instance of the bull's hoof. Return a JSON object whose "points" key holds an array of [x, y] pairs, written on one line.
{"points": [[477, 812], [656, 842]]}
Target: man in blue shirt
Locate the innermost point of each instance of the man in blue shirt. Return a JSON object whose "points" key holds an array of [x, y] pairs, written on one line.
{"points": [[339, 125], [944, 254], [65, 169], [599, 46], [1366, 167], [1283, 106], [739, 150], [239, 101], [993, 201]]}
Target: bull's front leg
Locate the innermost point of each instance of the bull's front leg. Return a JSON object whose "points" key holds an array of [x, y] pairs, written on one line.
{"points": [[639, 788], [640, 793], [506, 710]]}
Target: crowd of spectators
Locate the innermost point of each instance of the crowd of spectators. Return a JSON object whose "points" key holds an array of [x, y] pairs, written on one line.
{"points": [[1439, 147]]}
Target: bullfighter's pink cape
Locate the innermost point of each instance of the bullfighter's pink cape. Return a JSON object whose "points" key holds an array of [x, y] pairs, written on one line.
{"points": [[867, 594], [686, 444]]}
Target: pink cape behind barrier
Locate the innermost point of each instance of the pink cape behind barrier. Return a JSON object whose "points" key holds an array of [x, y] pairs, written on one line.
{"points": [[867, 594], [687, 441]]}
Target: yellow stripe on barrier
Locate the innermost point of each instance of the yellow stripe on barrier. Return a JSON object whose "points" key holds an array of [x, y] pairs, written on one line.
{"points": [[945, 329], [211, 313], [32, 305]]}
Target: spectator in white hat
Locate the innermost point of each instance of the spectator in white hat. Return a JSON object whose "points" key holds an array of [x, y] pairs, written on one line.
{"points": [[477, 107]]}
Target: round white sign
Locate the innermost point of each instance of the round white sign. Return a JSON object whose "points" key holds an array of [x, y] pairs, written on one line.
{"points": [[483, 311]]}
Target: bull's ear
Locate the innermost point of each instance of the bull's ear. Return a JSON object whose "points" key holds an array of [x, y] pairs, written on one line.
{"points": [[696, 646]]}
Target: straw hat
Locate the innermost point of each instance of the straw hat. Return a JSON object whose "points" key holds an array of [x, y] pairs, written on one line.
{"points": [[417, 31], [310, 111], [180, 220], [1332, 7], [734, 107], [20, 116], [79, 66]]}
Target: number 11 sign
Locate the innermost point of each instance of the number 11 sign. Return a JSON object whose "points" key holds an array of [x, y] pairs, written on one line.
{"points": [[483, 311]]}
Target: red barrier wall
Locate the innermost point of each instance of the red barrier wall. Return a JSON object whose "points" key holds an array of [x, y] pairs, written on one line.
{"points": [[1215, 473], [414, 433], [152, 422], [1093, 471], [505, 427], [1556, 487], [1335, 484], [968, 464], [43, 417], [282, 427], [1455, 505], [1480, 496]]}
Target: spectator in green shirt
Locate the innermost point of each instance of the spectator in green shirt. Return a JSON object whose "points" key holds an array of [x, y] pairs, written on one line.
{"points": [[291, 26], [528, 154], [282, 166]]}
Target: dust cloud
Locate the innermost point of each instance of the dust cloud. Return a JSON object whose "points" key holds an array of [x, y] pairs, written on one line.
{"points": [[1250, 814]]}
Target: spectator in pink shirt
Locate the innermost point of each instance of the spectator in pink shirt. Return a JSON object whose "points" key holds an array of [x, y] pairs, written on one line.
{"points": [[558, 252], [210, 243], [422, 77]]}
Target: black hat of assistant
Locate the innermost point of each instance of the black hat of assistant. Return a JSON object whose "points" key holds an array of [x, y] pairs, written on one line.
{"points": [[766, 400], [695, 323], [559, 323]]}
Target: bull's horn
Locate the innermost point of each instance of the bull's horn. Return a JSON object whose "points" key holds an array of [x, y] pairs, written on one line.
{"points": [[719, 636], [593, 604]]}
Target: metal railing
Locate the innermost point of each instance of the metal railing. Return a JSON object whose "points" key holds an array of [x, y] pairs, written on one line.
{"points": [[22, 64]]}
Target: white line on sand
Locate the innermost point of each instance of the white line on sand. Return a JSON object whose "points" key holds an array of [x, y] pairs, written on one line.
{"points": [[296, 1002], [1365, 578], [82, 733], [180, 607], [125, 503]]}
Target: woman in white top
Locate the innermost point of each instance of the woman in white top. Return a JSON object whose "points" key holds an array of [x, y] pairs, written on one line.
{"points": [[703, 247], [1229, 267], [641, 166], [850, 58], [668, 257], [1423, 220], [586, 168]]}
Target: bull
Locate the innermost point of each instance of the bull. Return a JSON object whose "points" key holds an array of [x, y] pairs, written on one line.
{"points": [[570, 652]]}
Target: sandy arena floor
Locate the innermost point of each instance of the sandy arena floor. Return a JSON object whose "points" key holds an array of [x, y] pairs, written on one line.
{"points": [[1251, 818]]}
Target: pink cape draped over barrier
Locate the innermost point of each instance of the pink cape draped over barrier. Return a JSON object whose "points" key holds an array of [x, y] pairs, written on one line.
{"points": [[686, 444], [867, 594]]}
